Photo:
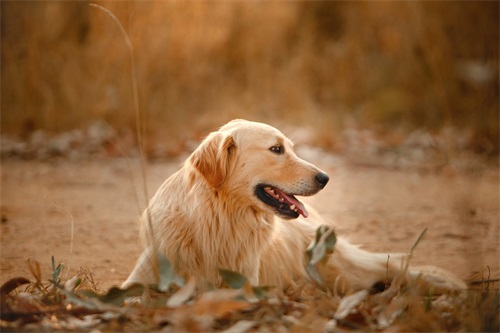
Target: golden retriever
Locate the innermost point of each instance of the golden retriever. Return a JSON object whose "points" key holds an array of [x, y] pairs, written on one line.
{"points": [[233, 205]]}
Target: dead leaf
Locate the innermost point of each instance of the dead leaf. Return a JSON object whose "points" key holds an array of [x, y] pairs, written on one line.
{"points": [[12, 284], [221, 295], [21, 306], [241, 326], [116, 295], [183, 294], [217, 309], [85, 323], [392, 311], [348, 303], [201, 315], [35, 270]]}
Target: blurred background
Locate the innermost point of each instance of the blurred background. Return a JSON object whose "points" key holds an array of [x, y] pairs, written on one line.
{"points": [[387, 68]]}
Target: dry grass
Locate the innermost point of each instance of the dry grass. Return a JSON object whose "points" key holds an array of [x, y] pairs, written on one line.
{"points": [[75, 304], [390, 66]]}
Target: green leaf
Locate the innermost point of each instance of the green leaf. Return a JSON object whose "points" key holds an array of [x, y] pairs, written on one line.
{"points": [[330, 239], [89, 293], [323, 243], [314, 275], [77, 300], [167, 274], [316, 239], [56, 271], [116, 296], [317, 254], [234, 280], [261, 291]]}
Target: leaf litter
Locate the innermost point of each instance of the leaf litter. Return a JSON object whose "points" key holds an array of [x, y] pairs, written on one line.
{"points": [[174, 305]]}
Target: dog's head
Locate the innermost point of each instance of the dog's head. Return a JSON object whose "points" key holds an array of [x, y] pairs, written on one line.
{"points": [[256, 162]]}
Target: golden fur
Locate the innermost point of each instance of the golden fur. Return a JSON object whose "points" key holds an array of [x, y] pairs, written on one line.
{"points": [[208, 215]]}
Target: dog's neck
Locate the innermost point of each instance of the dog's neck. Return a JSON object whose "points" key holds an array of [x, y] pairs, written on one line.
{"points": [[224, 223], [237, 213], [223, 205]]}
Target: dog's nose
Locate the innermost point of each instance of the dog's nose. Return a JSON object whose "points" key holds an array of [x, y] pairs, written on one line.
{"points": [[322, 179]]}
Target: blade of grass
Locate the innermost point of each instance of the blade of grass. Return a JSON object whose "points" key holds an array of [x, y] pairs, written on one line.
{"points": [[420, 237], [138, 123]]}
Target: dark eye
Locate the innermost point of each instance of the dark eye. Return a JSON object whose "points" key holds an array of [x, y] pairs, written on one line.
{"points": [[278, 149]]}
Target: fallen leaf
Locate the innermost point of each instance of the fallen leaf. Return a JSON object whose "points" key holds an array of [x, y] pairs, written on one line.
{"points": [[323, 243], [183, 294], [116, 295], [201, 315], [348, 303], [234, 280], [12, 284], [218, 308], [85, 323], [392, 311], [168, 275], [241, 326], [72, 283]]}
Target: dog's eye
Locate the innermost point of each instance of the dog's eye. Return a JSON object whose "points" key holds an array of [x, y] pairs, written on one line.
{"points": [[278, 149]]}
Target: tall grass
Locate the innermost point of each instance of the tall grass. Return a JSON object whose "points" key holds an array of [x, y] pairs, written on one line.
{"points": [[384, 65]]}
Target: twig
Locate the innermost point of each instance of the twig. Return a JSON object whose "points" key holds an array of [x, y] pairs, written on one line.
{"points": [[417, 241], [138, 125], [387, 271], [488, 281], [87, 274], [128, 159], [489, 275]]}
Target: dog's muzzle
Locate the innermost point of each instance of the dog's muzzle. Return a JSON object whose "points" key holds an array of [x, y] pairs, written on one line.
{"points": [[286, 204]]}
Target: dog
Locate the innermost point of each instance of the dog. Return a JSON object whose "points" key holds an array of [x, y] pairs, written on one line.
{"points": [[233, 205]]}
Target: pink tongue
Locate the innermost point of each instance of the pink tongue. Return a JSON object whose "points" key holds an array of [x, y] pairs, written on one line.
{"points": [[293, 201]]}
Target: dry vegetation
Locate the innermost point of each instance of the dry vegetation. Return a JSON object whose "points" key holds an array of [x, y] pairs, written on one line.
{"points": [[175, 305], [389, 66]]}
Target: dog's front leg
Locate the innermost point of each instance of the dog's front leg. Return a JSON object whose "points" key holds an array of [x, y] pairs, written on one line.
{"points": [[357, 268], [143, 271], [360, 269]]}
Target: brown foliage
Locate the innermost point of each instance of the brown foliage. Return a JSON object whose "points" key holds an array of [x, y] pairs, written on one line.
{"points": [[68, 306], [384, 65]]}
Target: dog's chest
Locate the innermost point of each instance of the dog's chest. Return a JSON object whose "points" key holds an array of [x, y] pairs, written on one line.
{"points": [[214, 243]]}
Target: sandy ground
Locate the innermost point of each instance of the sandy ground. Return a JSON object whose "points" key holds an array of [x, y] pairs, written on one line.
{"points": [[85, 214]]}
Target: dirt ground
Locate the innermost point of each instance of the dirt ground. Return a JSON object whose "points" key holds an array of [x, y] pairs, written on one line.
{"points": [[85, 214]]}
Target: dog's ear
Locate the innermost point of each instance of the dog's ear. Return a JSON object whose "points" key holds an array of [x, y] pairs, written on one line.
{"points": [[213, 158]]}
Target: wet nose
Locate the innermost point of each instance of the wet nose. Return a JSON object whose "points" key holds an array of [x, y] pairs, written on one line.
{"points": [[322, 179]]}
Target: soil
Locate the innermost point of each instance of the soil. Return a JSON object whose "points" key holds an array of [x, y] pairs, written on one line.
{"points": [[85, 214]]}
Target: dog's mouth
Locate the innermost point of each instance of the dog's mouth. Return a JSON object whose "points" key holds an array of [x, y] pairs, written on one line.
{"points": [[283, 203]]}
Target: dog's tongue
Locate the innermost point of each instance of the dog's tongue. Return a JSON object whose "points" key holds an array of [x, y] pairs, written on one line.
{"points": [[293, 201]]}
